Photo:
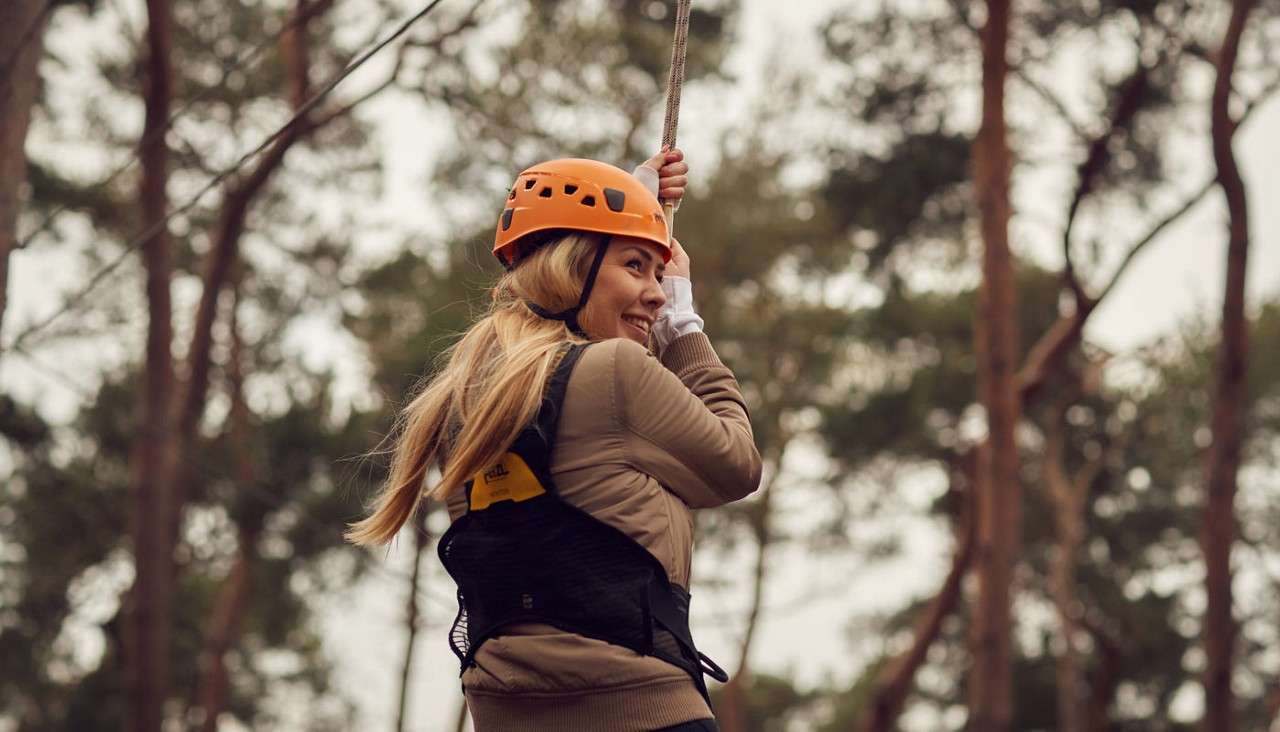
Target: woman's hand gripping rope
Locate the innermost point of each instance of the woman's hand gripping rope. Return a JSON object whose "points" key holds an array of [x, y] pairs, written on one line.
{"points": [[666, 175]]}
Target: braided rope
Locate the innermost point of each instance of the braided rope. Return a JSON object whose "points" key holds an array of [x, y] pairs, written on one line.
{"points": [[676, 78], [674, 82]]}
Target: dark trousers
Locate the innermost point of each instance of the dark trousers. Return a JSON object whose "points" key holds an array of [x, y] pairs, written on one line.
{"points": [[697, 725]]}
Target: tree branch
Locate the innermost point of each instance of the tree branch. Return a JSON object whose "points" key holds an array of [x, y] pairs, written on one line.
{"points": [[896, 679], [223, 255], [733, 712], [150, 598], [232, 600], [1222, 459], [1048, 97], [1099, 155], [1106, 677], [413, 617]]}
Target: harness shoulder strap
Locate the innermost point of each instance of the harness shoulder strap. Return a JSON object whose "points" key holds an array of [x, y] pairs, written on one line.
{"points": [[525, 470], [548, 420]]}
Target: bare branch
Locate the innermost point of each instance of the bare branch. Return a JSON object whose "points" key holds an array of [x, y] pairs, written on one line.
{"points": [[469, 19], [222, 257], [461, 723], [413, 617], [382, 86], [1125, 109], [1136, 248], [1222, 458], [1078, 129], [1048, 97], [57, 374], [898, 675]]}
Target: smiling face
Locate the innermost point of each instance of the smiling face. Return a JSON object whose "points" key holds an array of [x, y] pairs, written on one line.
{"points": [[627, 294]]}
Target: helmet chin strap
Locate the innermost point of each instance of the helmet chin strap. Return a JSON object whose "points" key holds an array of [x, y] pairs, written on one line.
{"points": [[570, 316]]}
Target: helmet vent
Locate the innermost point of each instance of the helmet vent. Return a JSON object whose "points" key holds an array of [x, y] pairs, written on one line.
{"points": [[570, 189], [545, 192], [588, 200], [615, 198], [530, 183]]}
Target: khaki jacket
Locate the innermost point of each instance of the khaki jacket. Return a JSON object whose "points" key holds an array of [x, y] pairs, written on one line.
{"points": [[641, 443]]}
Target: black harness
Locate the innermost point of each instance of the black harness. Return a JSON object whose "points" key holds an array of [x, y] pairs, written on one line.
{"points": [[520, 554]]}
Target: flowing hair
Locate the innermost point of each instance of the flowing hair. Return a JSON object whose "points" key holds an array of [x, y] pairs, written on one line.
{"points": [[469, 413]]}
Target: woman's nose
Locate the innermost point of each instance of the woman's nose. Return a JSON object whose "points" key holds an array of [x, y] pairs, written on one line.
{"points": [[654, 297]]}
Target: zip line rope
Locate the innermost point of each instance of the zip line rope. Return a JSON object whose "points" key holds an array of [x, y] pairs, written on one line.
{"points": [[191, 202], [249, 57], [675, 81]]}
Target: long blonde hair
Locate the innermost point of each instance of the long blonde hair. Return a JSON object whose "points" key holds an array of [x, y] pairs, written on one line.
{"points": [[471, 411]]}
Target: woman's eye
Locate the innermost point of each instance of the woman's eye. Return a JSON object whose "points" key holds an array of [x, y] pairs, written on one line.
{"points": [[635, 263]]}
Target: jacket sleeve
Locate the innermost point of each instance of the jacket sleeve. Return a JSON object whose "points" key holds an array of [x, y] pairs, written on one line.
{"points": [[686, 422]]}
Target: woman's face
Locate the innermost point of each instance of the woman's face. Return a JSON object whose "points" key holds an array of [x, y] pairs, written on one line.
{"points": [[627, 295]]}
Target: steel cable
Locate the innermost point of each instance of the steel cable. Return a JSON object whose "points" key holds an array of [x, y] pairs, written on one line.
{"points": [[247, 58], [306, 107]]}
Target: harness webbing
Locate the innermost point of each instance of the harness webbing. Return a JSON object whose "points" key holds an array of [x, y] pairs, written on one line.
{"points": [[570, 316]]}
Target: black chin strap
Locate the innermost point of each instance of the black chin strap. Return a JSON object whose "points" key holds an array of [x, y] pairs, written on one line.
{"points": [[570, 316]]}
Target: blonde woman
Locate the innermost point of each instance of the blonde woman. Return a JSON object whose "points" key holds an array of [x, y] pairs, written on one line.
{"points": [[576, 426]]}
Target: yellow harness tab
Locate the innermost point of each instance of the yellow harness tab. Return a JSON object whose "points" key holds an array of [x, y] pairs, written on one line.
{"points": [[509, 480]]}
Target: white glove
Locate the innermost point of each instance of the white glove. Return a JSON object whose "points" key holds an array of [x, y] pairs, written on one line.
{"points": [[649, 177], [677, 317]]}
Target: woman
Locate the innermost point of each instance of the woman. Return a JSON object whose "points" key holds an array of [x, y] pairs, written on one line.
{"points": [[571, 458]]}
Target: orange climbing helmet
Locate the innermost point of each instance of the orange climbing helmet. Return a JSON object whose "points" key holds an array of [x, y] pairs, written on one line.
{"points": [[584, 195]]}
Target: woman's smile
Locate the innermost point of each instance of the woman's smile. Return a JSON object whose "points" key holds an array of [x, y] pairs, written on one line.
{"points": [[628, 292]]}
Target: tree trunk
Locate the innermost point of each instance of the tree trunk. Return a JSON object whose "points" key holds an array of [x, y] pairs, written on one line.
{"points": [[995, 341], [1068, 495], [999, 499], [150, 597], [421, 540], [233, 595], [22, 25], [462, 717], [1062, 577], [732, 716], [1222, 462], [895, 681], [1106, 678], [224, 630]]}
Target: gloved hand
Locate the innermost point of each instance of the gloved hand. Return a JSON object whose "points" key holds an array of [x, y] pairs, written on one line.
{"points": [[676, 318], [665, 175]]}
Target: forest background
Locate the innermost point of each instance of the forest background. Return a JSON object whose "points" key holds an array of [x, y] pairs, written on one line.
{"points": [[187, 409]]}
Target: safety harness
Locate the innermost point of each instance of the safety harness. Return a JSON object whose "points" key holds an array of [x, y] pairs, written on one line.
{"points": [[521, 554]]}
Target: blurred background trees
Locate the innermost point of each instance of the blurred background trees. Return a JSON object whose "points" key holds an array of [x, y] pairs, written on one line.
{"points": [[837, 245]]}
